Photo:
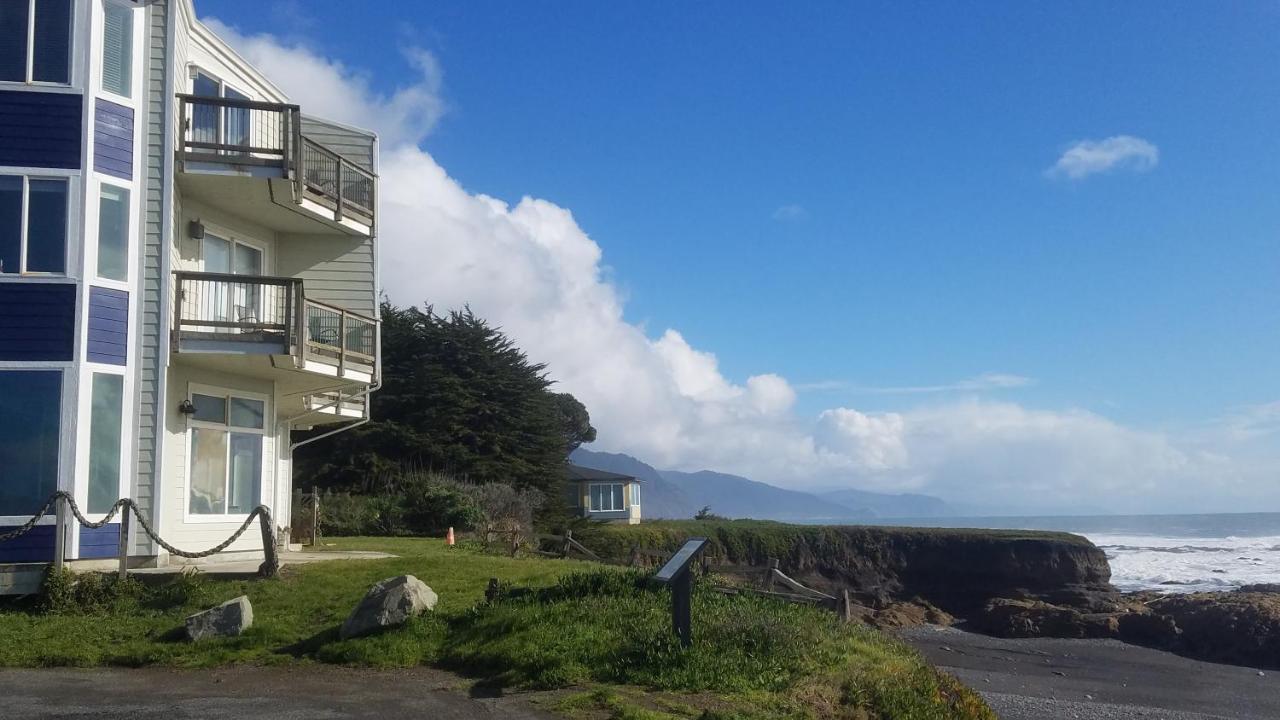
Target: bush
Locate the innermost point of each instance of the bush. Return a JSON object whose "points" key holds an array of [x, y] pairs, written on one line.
{"points": [[68, 592]]}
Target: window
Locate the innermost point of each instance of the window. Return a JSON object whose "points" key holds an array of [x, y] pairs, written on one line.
{"points": [[606, 497], [233, 302], [33, 224], [221, 126], [29, 419], [113, 233], [104, 441], [635, 493], [35, 41], [226, 454], [117, 49]]}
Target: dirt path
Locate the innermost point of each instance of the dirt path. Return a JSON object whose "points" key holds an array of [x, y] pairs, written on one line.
{"points": [[239, 693], [1036, 679]]}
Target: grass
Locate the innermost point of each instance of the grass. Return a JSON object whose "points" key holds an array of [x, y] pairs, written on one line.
{"points": [[602, 632]]}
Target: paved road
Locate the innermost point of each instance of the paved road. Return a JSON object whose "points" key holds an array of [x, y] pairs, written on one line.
{"points": [[312, 693], [1038, 679]]}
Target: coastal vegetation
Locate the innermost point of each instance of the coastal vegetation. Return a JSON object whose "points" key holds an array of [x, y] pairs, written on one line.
{"points": [[590, 640]]}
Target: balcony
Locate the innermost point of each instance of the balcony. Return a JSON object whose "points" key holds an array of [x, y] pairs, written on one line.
{"points": [[253, 158], [236, 318]]}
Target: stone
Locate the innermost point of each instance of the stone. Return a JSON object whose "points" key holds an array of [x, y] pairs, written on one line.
{"points": [[229, 619], [389, 603], [1150, 629]]}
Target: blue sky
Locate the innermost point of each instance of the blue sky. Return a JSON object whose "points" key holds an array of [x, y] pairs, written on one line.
{"points": [[857, 196]]}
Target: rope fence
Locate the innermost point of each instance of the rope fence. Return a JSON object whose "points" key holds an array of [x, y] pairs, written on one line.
{"points": [[61, 501]]}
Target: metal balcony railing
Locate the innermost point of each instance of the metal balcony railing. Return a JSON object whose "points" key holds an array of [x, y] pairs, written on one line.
{"points": [[273, 313], [249, 132]]}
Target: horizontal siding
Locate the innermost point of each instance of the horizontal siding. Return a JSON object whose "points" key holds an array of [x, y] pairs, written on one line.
{"points": [[37, 321], [103, 542], [40, 129], [37, 545], [108, 340], [113, 139], [354, 145], [333, 270]]}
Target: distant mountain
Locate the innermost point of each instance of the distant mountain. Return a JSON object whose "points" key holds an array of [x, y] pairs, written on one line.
{"points": [[892, 506], [738, 497]]}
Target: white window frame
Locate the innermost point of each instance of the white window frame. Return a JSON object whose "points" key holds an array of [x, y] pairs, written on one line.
{"points": [[94, 223], [235, 238], [67, 229], [192, 424], [135, 73], [72, 57], [591, 498], [194, 71]]}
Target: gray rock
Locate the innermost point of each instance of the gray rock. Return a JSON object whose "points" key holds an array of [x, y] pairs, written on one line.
{"points": [[389, 603], [226, 620]]}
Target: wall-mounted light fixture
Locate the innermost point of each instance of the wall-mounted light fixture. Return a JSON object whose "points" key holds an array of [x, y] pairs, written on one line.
{"points": [[196, 230], [186, 407]]}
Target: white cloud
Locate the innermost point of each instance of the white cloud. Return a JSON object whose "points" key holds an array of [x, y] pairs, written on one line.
{"points": [[530, 269], [1087, 157], [790, 213]]}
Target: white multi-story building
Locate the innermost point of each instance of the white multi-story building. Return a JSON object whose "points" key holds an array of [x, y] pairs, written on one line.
{"points": [[188, 274]]}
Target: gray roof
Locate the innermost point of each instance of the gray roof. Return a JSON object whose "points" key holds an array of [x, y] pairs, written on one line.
{"points": [[580, 473]]}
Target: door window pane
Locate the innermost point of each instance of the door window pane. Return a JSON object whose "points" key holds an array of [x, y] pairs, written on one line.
{"points": [[237, 120], [51, 60], [10, 216], [209, 408], [29, 419], [205, 118], [248, 260], [246, 472], [46, 225], [113, 233], [246, 413], [117, 49], [13, 39], [104, 441], [217, 254], [208, 471]]}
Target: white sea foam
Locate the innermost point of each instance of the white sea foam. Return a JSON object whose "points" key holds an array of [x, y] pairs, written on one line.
{"points": [[1189, 564]]}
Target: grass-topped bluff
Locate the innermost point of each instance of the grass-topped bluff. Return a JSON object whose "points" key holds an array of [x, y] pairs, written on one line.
{"points": [[591, 641], [956, 569]]}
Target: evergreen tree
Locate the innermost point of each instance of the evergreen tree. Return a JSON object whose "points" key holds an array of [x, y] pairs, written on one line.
{"points": [[458, 397]]}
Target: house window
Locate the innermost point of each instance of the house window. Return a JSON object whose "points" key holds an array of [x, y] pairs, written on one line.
{"points": [[117, 49], [635, 493], [35, 41], [226, 454], [113, 233], [105, 420], [225, 126], [606, 497], [29, 422], [33, 224]]}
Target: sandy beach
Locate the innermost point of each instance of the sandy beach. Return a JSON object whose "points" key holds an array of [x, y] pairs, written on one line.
{"points": [[1042, 679]]}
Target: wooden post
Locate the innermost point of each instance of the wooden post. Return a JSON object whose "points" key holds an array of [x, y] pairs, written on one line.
{"points": [[60, 533], [681, 607], [846, 607], [271, 561], [124, 542], [768, 573], [568, 542], [492, 592], [315, 517]]}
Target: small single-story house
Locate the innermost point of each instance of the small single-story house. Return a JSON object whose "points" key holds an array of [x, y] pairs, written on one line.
{"points": [[604, 495]]}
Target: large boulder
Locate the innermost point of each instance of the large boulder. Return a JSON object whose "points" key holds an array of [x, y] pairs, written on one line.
{"points": [[1006, 617], [1232, 627], [226, 620], [389, 603]]}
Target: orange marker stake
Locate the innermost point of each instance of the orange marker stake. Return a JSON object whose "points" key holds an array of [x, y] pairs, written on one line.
{"points": [[448, 538]]}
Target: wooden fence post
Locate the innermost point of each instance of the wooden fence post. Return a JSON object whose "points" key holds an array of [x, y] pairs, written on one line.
{"points": [[60, 530], [315, 517], [846, 607], [124, 542], [768, 573], [568, 542], [492, 591]]}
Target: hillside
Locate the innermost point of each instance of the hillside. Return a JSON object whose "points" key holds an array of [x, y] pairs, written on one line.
{"points": [[659, 498], [738, 497], [907, 505]]}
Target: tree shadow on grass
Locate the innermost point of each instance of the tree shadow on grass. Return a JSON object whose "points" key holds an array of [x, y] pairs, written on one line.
{"points": [[310, 646]]}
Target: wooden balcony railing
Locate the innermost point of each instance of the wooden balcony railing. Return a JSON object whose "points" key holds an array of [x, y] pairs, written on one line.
{"points": [[219, 312], [249, 132]]}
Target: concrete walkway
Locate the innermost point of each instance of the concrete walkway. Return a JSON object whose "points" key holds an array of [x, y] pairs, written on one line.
{"points": [[239, 693]]}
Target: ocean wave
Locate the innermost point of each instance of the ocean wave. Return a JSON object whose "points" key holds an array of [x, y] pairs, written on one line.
{"points": [[1181, 564]]}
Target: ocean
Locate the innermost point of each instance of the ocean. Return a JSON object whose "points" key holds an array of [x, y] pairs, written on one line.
{"points": [[1168, 553]]}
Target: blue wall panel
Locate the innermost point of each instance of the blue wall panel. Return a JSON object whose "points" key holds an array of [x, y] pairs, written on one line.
{"points": [[35, 546], [108, 326], [37, 321], [40, 129], [101, 543], [113, 139]]}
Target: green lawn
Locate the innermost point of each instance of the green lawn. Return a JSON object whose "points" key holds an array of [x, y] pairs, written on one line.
{"points": [[602, 632]]}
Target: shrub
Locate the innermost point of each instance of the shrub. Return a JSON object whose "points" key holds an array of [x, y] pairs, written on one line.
{"points": [[64, 591]]}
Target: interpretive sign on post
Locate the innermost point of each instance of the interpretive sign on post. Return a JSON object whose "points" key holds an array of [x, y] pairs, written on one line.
{"points": [[677, 574]]}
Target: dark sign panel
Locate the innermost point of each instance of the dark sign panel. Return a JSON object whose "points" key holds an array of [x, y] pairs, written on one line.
{"points": [[680, 560]]}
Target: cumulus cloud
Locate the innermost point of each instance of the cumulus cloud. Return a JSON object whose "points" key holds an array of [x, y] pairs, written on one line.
{"points": [[529, 268], [790, 213], [1119, 152]]}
